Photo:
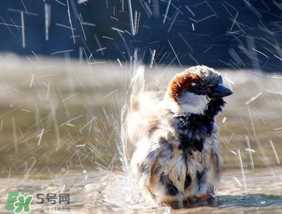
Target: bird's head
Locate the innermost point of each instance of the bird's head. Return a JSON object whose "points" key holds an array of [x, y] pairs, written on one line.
{"points": [[192, 90]]}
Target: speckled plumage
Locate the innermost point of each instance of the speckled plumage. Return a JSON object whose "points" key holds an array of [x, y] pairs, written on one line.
{"points": [[176, 159]]}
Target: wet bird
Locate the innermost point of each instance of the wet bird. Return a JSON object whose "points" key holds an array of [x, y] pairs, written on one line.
{"points": [[176, 158]]}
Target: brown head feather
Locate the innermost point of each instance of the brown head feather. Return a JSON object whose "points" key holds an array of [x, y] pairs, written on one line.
{"points": [[180, 82]]}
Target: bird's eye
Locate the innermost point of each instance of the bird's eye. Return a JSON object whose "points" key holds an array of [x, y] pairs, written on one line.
{"points": [[193, 84]]}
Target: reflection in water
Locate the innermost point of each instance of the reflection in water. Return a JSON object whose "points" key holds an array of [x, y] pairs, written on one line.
{"points": [[250, 200]]}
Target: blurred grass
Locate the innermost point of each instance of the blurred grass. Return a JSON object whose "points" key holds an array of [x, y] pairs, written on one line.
{"points": [[57, 116]]}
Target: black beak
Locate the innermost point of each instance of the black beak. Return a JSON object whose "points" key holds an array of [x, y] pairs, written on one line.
{"points": [[220, 91]]}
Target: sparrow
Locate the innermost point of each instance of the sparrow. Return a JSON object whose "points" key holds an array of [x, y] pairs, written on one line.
{"points": [[176, 159]]}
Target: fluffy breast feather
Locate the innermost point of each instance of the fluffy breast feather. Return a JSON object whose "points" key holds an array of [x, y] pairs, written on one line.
{"points": [[171, 172]]}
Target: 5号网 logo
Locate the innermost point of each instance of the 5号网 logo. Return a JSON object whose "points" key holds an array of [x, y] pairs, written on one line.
{"points": [[20, 203]]}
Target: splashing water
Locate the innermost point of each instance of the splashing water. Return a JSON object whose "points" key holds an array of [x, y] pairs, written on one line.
{"points": [[250, 131], [137, 84], [122, 190]]}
